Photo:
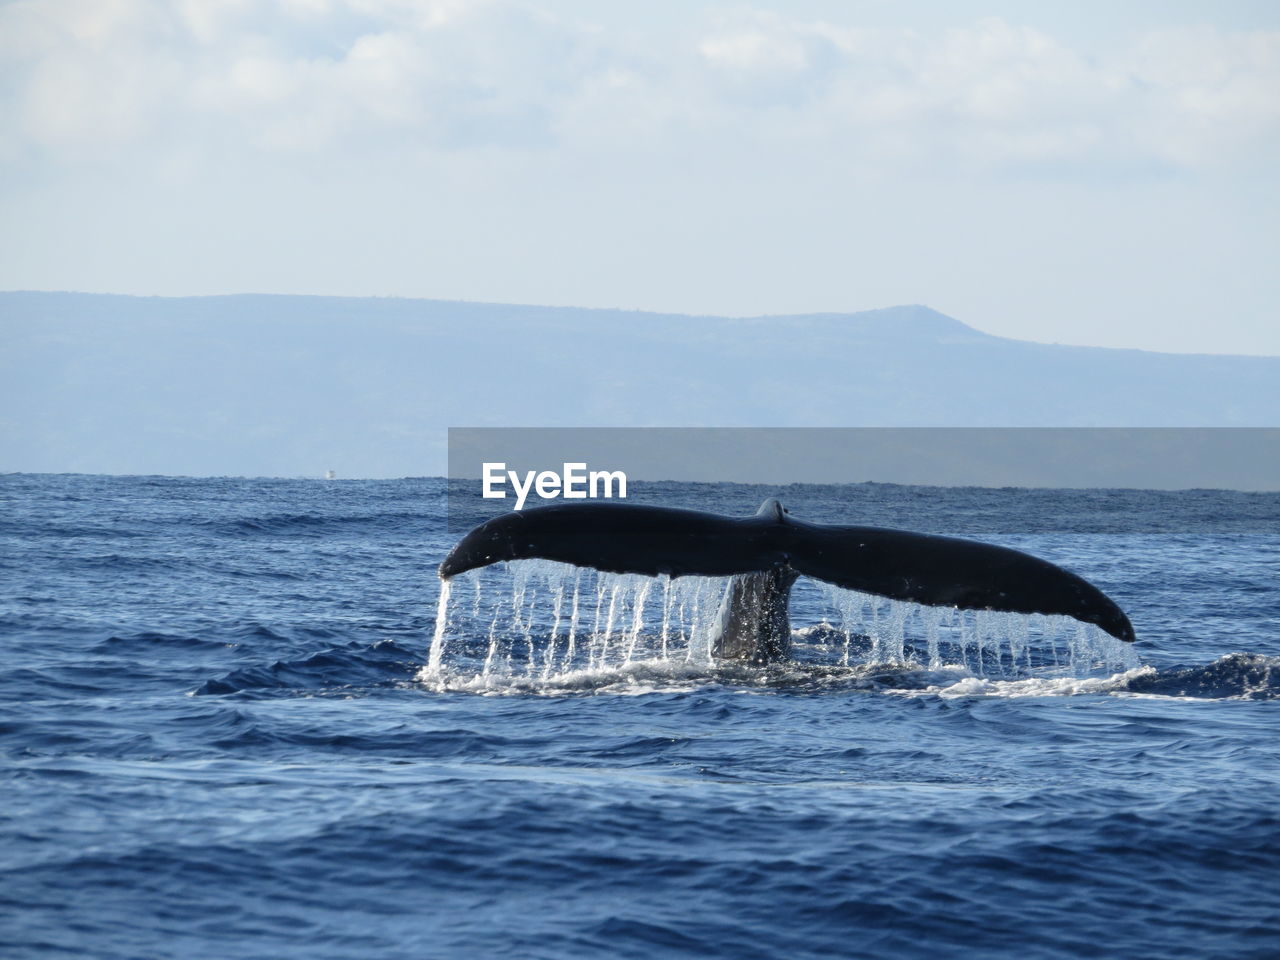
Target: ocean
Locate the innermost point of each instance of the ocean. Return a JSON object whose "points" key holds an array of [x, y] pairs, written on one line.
{"points": [[237, 723]]}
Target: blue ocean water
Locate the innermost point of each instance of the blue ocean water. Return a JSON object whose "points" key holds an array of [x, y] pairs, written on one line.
{"points": [[222, 738]]}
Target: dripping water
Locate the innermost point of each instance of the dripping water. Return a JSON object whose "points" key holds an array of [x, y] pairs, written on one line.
{"points": [[442, 622], [535, 623]]}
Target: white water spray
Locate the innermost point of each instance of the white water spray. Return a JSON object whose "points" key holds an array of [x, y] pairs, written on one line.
{"points": [[442, 623], [530, 625]]}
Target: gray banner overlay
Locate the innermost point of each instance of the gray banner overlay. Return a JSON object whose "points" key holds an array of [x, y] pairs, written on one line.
{"points": [[1135, 464]]}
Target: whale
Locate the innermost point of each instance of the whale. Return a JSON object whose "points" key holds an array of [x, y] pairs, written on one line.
{"points": [[763, 555]]}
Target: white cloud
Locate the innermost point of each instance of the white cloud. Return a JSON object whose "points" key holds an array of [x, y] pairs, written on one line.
{"points": [[1209, 94], [769, 45], [994, 94], [89, 77]]}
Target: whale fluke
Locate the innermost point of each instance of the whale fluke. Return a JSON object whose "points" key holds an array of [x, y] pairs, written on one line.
{"points": [[921, 568]]}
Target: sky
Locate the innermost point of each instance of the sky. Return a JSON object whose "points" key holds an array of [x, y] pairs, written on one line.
{"points": [[1086, 173]]}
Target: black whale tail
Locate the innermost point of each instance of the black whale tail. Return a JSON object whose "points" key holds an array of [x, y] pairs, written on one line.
{"points": [[917, 567]]}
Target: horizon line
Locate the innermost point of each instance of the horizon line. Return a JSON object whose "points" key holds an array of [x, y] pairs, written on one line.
{"points": [[321, 478]]}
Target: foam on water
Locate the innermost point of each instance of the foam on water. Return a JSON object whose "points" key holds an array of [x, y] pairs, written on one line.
{"points": [[963, 684], [541, 626]]}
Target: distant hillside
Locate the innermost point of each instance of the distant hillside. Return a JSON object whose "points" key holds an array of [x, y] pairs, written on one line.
{"points": [[278, 385]]}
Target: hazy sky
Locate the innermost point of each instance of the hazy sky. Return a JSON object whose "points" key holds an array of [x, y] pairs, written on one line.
{"points": [[1100, 173]]}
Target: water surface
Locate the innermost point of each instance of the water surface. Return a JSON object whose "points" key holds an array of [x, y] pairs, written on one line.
{"points": [[220, 739]]}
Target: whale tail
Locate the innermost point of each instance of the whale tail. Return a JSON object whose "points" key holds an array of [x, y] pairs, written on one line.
{"points": [[765, 553]]}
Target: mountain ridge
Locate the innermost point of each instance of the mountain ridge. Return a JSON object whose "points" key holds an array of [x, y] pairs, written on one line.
{"points": [[928, 317], [282, 385]]}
